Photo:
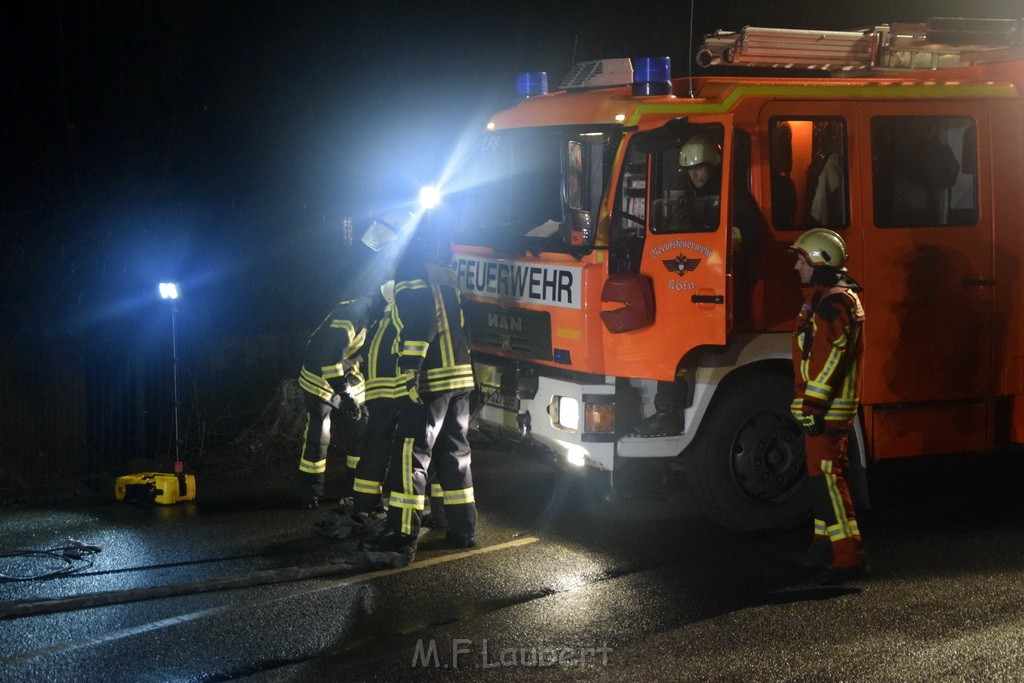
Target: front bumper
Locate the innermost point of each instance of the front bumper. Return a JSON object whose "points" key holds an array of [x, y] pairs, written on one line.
{"points": [[553, 416]]}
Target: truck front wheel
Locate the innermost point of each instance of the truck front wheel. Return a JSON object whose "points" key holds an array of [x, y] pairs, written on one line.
{"points": [[746, 467]]}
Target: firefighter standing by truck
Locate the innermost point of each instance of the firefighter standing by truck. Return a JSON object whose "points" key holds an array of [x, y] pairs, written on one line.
{"points": [[827, 348], [436, 378], [331, 379]]}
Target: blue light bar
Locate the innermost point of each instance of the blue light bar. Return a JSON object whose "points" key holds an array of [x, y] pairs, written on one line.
{"points": [[530, 83], [652, 76]]}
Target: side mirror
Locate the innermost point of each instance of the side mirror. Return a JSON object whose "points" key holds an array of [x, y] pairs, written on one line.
{"points": [[581, 229], [636, 293]]}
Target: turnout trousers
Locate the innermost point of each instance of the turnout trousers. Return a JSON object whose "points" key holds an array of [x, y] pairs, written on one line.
{"points": [[367, 484], [835, 520], [440, 426], [317, 438]]}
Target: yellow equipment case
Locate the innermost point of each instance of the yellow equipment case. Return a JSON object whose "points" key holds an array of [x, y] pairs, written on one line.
{"points": [[155, 487]]}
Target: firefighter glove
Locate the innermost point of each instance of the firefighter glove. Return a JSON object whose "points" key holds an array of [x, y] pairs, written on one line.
{"points": [[348, 406], [412, 385], [813, 425], [359, 413]]}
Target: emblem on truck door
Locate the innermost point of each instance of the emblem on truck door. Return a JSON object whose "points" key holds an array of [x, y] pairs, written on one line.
{"points": [[681, 265]]}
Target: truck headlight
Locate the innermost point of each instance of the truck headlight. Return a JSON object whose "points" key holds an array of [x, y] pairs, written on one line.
{"points": [[567, 413]]}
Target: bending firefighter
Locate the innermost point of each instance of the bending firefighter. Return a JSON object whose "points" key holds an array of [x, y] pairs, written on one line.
{"points": [[331, 379], [827, 348], [383, 407]]}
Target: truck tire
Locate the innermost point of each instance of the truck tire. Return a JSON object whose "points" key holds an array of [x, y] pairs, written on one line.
{"points": [[746, 467]]}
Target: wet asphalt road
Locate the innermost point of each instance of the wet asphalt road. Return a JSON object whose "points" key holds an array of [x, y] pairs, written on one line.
{"points": [[560, 587]]}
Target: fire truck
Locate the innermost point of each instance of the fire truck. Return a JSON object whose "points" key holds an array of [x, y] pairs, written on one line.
{"points": [[591, 274]]}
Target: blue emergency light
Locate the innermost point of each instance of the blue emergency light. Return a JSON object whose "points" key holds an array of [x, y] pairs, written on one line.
{"points": [[652, 76], [530, 83]]}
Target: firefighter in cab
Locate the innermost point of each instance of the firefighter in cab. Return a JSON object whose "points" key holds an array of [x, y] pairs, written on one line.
{"points": [[828, 345], [330, 380]]}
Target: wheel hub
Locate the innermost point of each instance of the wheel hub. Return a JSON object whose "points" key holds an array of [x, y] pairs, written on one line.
{"points": [[768, 457]]}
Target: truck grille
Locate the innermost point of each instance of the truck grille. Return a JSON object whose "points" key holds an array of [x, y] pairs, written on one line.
{"points": [[515, 331]]}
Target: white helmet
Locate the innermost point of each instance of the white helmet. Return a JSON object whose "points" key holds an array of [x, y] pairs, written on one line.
{"points": [[387, 290], [821, 247], [700, 149]]}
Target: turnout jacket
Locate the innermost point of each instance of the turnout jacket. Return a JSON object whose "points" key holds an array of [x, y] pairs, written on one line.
{"points": [[432, 339], [828, 345], [382, 376], [330, 363]]}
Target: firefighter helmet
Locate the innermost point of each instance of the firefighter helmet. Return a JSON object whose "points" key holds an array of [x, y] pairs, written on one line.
{"points": [[821, 247], [700, 149]]}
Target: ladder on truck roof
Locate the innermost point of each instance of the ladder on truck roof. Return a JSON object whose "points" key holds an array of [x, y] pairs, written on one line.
{"points": [[942, 42]]}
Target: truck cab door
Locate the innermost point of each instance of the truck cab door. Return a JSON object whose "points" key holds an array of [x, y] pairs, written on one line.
{"points": [[687, 237]]}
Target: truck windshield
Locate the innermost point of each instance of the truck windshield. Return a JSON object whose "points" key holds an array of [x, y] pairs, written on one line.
{"points": [[529, 187]]}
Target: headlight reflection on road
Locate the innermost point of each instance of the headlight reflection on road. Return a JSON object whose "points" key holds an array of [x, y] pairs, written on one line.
{"points": [[580, 571]]}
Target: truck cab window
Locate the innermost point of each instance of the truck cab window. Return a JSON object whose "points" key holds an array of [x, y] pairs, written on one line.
{"points": [[686, 181], [809, 169], [536, 189], [923, 171]]}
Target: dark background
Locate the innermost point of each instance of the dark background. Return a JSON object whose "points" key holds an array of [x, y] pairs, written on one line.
{"points": [[220, 144]]}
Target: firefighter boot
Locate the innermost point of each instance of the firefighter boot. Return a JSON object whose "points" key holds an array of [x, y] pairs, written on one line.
{"points": [[818, 555], [436, 518], [660, 424], [848, 563], [310, 488], [461, 532], [665, 421], [389, 541], [391, 548], [342, 524], [457, 540]]}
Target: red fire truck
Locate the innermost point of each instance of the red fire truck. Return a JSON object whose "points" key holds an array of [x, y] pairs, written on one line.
{"points": [[590, 275]]}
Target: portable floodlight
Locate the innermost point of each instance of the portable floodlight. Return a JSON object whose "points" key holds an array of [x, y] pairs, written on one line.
{"points": [[148, 488], [169, 290]]}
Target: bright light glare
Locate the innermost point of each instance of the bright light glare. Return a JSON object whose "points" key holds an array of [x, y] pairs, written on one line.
{"points": [[430, 197], [576, 456], [168, 290], [568, 412]]}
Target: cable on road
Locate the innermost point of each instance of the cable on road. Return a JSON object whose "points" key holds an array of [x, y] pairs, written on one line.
{"points": [[25, 608], [71, 558]]}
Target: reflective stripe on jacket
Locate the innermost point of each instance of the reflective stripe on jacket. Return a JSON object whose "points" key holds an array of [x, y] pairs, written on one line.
{"points": [[828, 346], [431, 338], [382, 379], [330, 363]]}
